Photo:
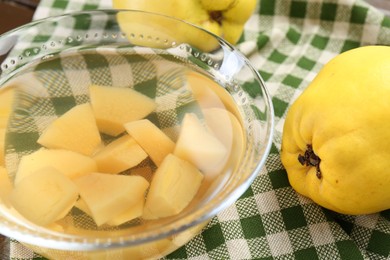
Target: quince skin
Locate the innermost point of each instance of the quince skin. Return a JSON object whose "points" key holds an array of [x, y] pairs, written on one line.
{"points": [[336, 138], [224, 18]]}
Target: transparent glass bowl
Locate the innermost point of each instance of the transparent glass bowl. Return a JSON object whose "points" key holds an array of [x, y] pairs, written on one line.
{"points": [[96, 34]]}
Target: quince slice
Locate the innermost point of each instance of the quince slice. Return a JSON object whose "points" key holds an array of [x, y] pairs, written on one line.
{"points": [[115, 106], [69, 163], [199, 146], [75, 130], [44, 197], [108, 196], [119, 155], [174, 185], [228, 130], [153, 140]]}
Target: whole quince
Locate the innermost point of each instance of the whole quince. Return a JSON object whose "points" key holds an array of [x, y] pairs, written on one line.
{"points": [[336, 136], [224, 18]]}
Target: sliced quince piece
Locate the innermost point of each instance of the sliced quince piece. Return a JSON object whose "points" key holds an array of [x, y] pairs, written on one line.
{"points": [[219, 122], [43, 197], [115, 106], [174, 185], [228, 130], [120, 155], [210, 94], [197, 145], [75, 130], [69, 163], [153, 140], [202, 91], [107, 196]]}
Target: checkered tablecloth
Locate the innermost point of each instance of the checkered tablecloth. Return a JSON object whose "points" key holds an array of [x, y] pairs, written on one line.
{"points": [[288, 42]]}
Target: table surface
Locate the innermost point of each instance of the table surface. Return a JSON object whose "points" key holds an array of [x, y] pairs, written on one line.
{"points": [[19, 12]]}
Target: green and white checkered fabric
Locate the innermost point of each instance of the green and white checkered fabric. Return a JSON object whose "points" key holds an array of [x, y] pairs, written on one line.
{"points": [[48, 8], [288, 42]]}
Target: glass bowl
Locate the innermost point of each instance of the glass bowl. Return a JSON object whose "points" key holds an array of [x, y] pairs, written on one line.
{"points": [[50, 63]]}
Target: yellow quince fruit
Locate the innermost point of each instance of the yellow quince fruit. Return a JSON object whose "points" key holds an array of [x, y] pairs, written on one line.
{"points": [[224, 18], [336, 136]]}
